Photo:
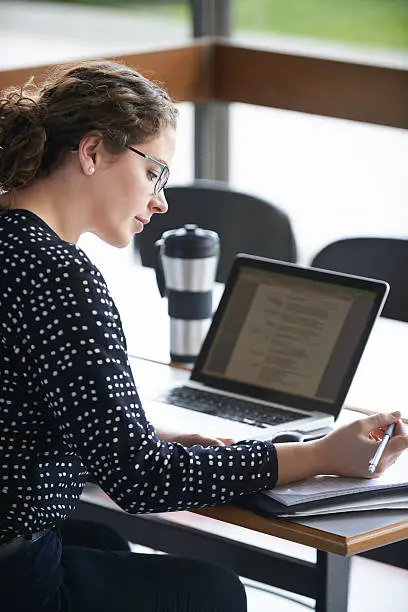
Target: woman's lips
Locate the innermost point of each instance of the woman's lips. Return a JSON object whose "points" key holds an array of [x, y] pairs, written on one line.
{"points": [[141, 222]]}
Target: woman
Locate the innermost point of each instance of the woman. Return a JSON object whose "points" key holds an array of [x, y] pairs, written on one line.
{"points": [[90, 152]]}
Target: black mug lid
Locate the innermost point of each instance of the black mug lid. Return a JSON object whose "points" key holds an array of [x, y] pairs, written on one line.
{"points": [[190, 242]]}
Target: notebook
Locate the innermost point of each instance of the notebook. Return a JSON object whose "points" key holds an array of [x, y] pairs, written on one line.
{"points": [[280, 353], [327, 494]]}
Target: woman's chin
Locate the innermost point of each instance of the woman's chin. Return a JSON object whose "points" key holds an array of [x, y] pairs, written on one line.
{"points": [[118, 241]]}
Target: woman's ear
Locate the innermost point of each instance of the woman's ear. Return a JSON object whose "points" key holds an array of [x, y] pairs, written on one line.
{"points": [[90, 151]]}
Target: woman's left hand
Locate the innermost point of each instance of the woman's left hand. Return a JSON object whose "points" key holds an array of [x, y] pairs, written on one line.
{"points": [[192, 439]]}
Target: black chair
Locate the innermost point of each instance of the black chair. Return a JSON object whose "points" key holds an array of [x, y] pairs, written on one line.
{"points": [[245, 223], [381, 258]]}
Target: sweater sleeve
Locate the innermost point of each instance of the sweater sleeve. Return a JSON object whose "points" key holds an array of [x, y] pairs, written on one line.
{"points": [[78, 354]]}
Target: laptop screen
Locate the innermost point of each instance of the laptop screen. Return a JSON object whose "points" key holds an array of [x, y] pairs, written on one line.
{"points": [[284, 331]]}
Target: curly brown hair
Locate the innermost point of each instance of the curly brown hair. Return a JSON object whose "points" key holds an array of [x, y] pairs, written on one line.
{"points": [[39, 125]]}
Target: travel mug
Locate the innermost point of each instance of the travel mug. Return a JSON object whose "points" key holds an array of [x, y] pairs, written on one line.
{"points": [[186, 266]]}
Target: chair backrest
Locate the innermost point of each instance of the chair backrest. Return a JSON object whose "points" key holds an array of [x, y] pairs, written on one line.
{"points": [[381, 258], [245, 223]]}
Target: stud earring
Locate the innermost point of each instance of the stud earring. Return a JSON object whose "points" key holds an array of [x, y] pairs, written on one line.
{"points": [[91, 170]]}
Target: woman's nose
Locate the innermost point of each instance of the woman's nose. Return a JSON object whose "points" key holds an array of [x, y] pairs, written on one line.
{"points": [[159, 203]]}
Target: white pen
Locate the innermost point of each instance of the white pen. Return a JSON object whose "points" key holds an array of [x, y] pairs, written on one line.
{"points": [[374, 461]]}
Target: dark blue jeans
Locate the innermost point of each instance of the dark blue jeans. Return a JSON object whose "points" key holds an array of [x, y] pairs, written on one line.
{"points": [[49, 576]]}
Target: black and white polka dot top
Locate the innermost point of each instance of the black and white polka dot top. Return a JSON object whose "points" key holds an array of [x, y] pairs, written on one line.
{"points": [[68, 402]]}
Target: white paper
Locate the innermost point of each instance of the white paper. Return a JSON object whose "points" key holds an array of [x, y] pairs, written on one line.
{"points": [[324, 487], [379, 502]]}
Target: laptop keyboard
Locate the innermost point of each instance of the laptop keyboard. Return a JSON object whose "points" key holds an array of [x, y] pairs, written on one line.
{"points": [[232, 408]]}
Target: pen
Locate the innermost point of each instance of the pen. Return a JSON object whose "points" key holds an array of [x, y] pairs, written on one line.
{"points": [[374, 461]]}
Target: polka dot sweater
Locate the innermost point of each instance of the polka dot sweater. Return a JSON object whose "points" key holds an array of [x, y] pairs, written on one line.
{"points": [[68, 402]]}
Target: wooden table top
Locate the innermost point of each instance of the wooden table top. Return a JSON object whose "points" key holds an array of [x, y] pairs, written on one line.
{"points": [[345, 534]]}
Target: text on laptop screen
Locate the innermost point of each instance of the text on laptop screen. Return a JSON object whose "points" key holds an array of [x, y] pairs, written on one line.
{"points": [[289, 334]]}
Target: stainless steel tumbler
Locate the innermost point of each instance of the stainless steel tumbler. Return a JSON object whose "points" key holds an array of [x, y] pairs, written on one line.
{"points": [[186, 266]]}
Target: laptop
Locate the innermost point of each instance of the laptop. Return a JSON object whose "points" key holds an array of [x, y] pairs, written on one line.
{"points": [[280, 354]]}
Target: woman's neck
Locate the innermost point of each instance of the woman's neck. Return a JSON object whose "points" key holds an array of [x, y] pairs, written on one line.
{"points": [[47, 198]]}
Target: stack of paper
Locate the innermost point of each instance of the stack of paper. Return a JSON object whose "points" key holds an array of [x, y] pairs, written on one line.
{"points": [[331, 494]]}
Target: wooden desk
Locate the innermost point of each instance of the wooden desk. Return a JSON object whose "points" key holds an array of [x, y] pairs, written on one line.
{"points": [[335, 538], [341, 535], [145, 321]]}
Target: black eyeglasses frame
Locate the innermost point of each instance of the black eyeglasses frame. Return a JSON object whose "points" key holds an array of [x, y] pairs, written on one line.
{"points": [[162, 178]]}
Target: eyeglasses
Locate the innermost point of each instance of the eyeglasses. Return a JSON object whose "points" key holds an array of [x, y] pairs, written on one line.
{"points": [[161, 179]]}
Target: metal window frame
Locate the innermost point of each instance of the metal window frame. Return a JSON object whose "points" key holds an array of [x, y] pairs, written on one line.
{"points": [[211, 119]]}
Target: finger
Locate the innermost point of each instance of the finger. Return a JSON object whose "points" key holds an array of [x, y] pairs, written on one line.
{"points": [[398, 443], [379, 421], [228, 441], [196, 439], [217, 442], [400, 429], [208, 441], [377, 435]]}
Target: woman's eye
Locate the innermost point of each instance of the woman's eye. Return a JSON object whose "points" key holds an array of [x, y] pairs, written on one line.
{"points": [[152, 175]]}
